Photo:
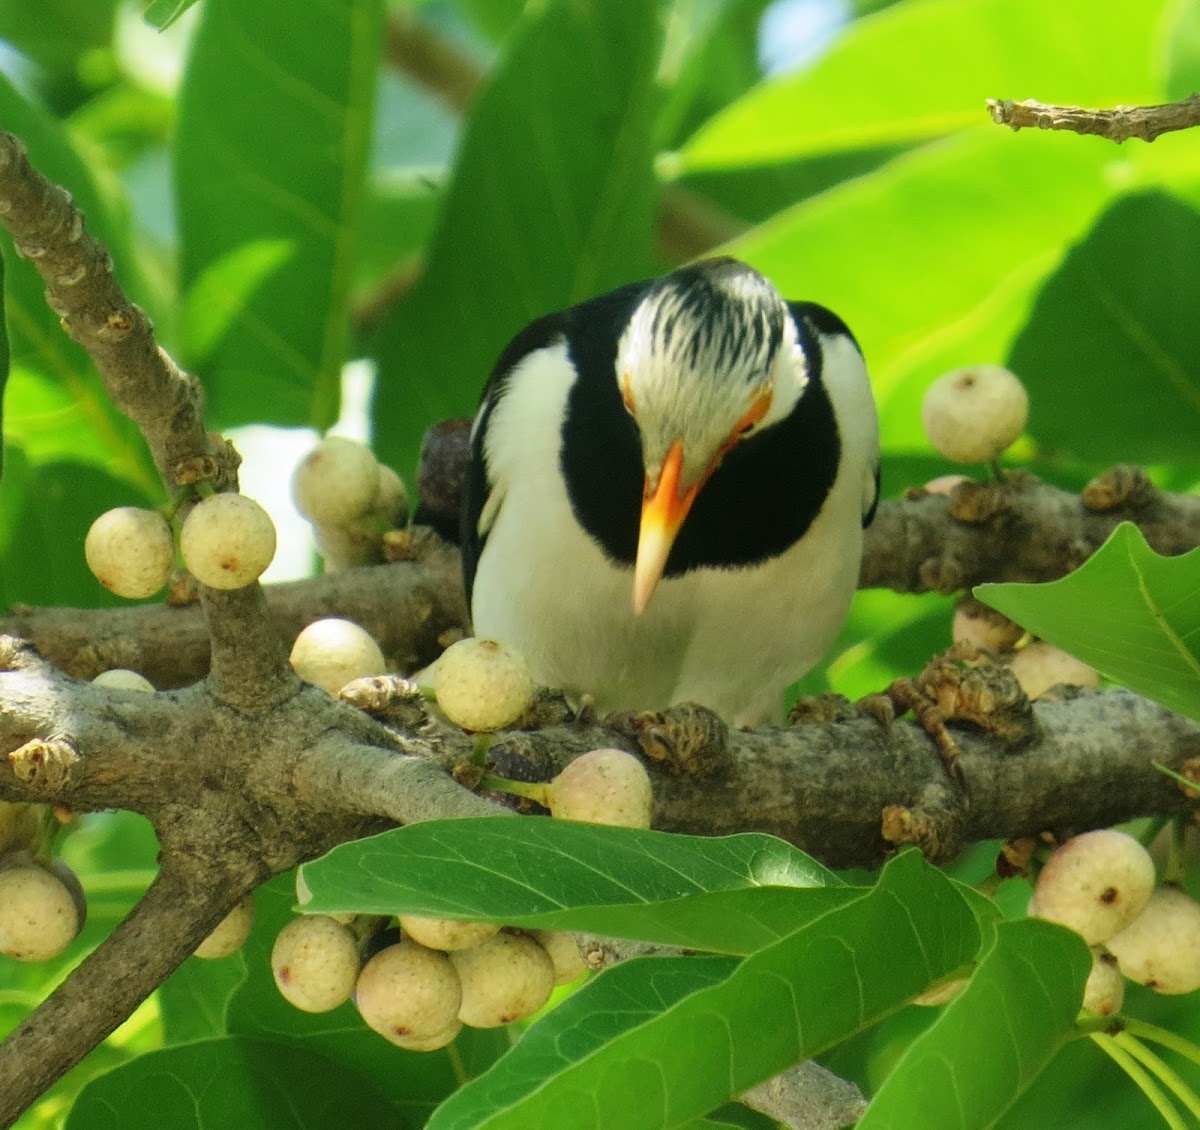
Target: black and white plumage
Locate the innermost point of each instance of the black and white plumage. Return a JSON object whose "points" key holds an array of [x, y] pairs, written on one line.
{"points": [[668, 489]]}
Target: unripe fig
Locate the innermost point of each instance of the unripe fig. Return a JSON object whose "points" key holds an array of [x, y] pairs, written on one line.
{"points": [[564, 955], [506, 978], [1041, 666], [227, 541], [1160, 948], [1095, 883], [330, 653], [38, 915], [62, 871], [482, 684], [445, 933], [230, 934], [315, 962], [130, 551], [408, 991], [1104, 992], [604, 786], [429, 1043], [345, 547], [971, 415], [337, 482], [122, 679], [977, 624], [391, 501]]}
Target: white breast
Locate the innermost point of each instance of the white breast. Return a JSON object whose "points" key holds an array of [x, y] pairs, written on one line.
{"points": [[731, 639]]}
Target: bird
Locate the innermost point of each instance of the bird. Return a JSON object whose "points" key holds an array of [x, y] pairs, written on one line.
{"points": [[667, 490]]}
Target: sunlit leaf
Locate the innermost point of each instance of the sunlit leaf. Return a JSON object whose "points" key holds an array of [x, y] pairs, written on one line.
{"points": [[657, 1041], [1131, 614], [551, 202], [730, 894], [1112, 339], [274, 127], [939, 60]]}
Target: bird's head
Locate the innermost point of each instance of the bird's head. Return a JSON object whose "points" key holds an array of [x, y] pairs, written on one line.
{"points": [[710, 356]]}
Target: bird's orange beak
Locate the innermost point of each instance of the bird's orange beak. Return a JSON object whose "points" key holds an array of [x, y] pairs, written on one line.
{"points": [[664, 507]]}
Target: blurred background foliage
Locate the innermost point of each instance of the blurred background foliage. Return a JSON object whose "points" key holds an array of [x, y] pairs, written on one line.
{"points": [[288, 188]]}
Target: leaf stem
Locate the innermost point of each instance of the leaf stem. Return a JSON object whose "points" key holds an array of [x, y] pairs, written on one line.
{"points": [[1142, 1078], [1168, 1039], [1169, 1076]]}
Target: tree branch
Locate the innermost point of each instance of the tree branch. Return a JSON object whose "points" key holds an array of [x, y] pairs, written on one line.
{"points": [[143, 382], [1117, 124], [1021, 529]]}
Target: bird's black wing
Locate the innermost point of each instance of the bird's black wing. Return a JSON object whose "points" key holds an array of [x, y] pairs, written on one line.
{"points": [[826, 322]]}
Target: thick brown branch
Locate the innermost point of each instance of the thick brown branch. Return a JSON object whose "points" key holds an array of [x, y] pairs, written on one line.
{"points": [[1117, 124], [827, 787], [369, 781], [405, 606], [141, 379], [1019, 530]]}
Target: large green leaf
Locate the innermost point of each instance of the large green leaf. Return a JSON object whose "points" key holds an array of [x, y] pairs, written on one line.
{"points": [[274, 128], [551, 202], [711, 58], [906, 256], [994, 1038], [61, 31], [1131, 614], [659, 1041], [730, 894], [232, 1081], [939, 60], [1115, 336]]}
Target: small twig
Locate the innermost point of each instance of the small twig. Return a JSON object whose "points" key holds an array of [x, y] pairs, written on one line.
{"points": [[1117, 124]]}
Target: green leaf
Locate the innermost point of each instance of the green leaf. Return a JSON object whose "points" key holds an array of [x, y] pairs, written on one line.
{"points": [[57, 33], [1131, 614], [1118, 316], [658, 1041], [163, 13], [994, 1038], [52, 515], [941, 60], [194, 999], [274, 127], [729, 894], [234, 1081], [551, 202], [901, 253], [710, 59]]}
